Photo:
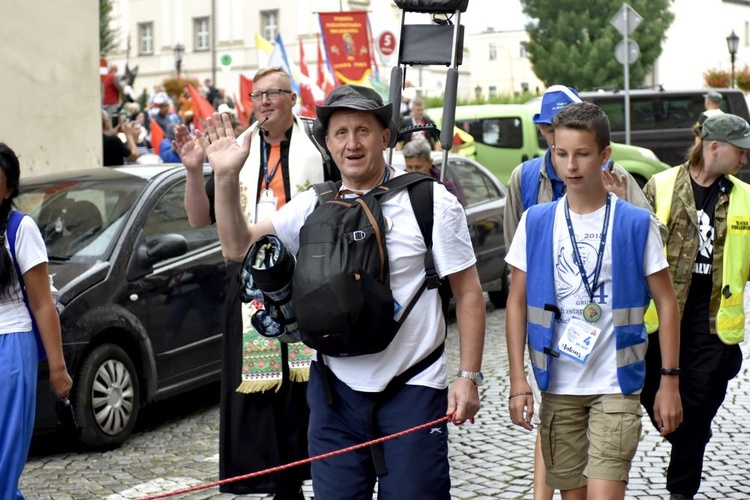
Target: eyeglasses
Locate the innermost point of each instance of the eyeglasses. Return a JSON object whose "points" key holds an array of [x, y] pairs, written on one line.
{"points": [[272, 94]]}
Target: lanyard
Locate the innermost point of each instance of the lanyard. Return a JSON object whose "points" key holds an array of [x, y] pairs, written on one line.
{"points": [[577, 255], [387, 174], [265, 147]]}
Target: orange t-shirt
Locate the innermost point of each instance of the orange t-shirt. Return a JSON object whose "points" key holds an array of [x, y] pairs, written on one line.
{"points": [[276, 182]]}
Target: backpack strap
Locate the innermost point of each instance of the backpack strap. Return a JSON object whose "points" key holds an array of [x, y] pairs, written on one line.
{"points": [[14, 222], [422, 202], [326, 191]]}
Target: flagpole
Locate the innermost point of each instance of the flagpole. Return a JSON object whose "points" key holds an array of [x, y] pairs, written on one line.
{"points": [[213, 42]]}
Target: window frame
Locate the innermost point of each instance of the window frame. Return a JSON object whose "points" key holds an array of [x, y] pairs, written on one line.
{"points": [[199, 34], [269, 30], [146, 39]]}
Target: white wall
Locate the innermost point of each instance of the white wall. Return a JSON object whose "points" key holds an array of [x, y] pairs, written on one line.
{"points": [[696, 42], [49, 89]]}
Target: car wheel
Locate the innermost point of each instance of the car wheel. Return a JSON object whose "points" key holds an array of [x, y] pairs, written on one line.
{"points": [[500, 297], [106, 397]]}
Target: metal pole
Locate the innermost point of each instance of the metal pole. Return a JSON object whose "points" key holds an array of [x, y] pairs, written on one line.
{"points": [[213, 42], [449, 105], [627, 80], [733, 57]]}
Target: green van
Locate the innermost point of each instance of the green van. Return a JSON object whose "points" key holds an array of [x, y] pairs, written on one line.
{"points": [[506, 136]]}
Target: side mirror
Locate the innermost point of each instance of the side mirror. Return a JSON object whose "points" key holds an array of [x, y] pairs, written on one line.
{"points": [[148, 253]]}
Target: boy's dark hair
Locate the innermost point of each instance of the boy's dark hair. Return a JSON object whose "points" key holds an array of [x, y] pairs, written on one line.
{"points": [[585, 116]]}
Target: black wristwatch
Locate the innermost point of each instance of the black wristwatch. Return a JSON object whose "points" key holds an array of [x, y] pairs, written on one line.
{"points": [[670, 371]]}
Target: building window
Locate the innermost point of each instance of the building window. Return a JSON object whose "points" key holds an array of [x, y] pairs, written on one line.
{"points": [[146, 37], [522, 50], [493, 91], [493, 51], [269, 24], [202, 33]]}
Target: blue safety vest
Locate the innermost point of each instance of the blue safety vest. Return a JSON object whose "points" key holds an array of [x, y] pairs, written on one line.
{"points": [[530, 178], [630, 295]]}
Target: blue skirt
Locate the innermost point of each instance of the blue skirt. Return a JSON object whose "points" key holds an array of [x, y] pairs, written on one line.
{"points": [[18, 377]]}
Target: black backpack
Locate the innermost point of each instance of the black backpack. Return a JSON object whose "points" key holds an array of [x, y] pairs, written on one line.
{"points": [[341, 287]]}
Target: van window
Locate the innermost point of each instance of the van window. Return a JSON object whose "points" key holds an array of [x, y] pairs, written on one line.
{"points": [[502, 132], [653, 112], [641, 113], [495, 132], [679, 111]]}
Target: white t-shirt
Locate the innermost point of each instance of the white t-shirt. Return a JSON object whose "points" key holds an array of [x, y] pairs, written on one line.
{"points": [[30, 252], [424, 329], [599, 374]]}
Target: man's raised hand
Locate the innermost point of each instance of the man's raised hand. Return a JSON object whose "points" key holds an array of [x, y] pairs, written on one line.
{"points": [[225, 155]]}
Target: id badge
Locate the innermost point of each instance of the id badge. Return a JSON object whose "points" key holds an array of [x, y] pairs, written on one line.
{"points": [[265, 207], [578, 339]]}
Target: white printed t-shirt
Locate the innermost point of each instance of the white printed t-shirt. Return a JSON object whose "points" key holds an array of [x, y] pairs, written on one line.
{"points": [[424, 329], [599, 374], [30, 252]]}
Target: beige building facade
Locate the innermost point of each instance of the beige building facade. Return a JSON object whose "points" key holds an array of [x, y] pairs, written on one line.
{"points": [[49, 90]]}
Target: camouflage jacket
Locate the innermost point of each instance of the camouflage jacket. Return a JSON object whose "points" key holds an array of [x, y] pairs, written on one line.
{"points": [[683, 240]]}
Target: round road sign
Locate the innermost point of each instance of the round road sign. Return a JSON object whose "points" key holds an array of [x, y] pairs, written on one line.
{"points": [[386, 43]]}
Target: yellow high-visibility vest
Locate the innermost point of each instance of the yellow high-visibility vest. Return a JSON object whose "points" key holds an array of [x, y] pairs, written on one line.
{"points": [[730, 319]]}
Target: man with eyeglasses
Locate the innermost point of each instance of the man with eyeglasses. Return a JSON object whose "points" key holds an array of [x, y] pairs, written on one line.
{"points": [[255, 414]]}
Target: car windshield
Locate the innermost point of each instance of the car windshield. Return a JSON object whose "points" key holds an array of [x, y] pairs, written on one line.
{"points": [[80, 219]]}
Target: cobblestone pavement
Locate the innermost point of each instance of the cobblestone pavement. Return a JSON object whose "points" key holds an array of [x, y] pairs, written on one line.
{"points": [[489, 459]]}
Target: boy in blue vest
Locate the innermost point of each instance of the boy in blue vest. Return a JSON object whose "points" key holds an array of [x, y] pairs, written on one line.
{"points": [[538, 181], [580, 288]]}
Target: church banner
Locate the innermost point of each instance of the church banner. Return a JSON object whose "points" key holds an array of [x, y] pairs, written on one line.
{"points": [[346, 36]]}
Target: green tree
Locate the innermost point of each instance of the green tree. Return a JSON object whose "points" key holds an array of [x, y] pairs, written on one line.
{"points": [[107, 35], [573, 42]]}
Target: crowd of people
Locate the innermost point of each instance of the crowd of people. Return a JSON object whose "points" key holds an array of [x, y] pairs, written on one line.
{"points": [[125, 120]]}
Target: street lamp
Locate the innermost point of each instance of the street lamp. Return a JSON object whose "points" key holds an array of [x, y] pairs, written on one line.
{"points": [[733, 42], [478, 92], [178, 51]]}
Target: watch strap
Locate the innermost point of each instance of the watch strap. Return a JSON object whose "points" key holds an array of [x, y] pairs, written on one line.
{"points": [[670, 371], [475, 377]]}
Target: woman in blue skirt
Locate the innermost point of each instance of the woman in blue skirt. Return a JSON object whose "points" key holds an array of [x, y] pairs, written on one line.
{"points": [[19, 356]]}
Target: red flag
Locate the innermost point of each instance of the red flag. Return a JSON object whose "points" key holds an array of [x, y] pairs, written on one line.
{"points": [[246, 86], [307, 99], [305, 89], [201, 107], [157, 135], [323, 81], [240, 111], [302, 62]]}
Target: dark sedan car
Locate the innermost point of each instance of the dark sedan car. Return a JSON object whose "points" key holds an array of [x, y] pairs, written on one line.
{"points": [[483, 198], [141, 292]]}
